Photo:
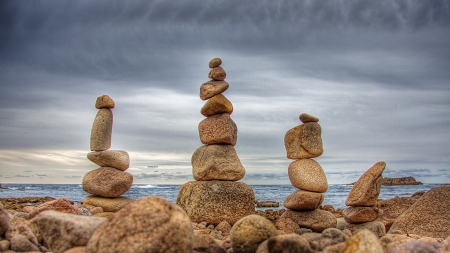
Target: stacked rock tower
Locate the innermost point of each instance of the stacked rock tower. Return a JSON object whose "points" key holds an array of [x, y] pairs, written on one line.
{"points": [[110, 181], [215, 196], [302, 143]]}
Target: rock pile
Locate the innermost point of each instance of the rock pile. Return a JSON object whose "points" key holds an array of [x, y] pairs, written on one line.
{"points": [[215, 196], [302, 143], [110, 181]]}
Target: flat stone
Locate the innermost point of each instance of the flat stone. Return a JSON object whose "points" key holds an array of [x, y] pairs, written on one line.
{"points": [[308, 175], [217, 162], [217, 74], [305, 118], [316, 220], [108, 204], [216, 201], [212, 88], [218, 129], [303, 200], [363, 241], [104, 102], [304, 141], [118, 159], [107, 182], [366, 190], [217, 105], [60, 205], [150, 224], [102, 130], [215, 62], [360, 214]]}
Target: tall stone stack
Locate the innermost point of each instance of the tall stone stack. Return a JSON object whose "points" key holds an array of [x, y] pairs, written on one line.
{"points": [[215, 196], [110, 181], [302, 143]]}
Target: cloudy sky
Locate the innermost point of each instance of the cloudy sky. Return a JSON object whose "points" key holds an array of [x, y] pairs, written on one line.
{"points": [[376, 74]]}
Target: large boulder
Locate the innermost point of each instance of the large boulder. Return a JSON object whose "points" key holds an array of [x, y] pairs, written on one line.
{"points": [[216, 201], [107, 204], [308, 175], [107, 182], [316, 220], [118, 159], [304, 141], [101, 130], [150, 224], [218, 129]]}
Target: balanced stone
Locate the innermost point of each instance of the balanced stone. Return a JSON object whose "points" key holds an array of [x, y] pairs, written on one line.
{"points": [[217, 74], [216, 105], [217, 162], [360, 214], [216, 62], [366, 190], [304, 141], [305, 118], [104, 102], [118, 159], [107, 182], [317, 220], [108, 204], [212, 88], [216, 201], [218, 129], [308, 175], [102, 130], [303, 200]]}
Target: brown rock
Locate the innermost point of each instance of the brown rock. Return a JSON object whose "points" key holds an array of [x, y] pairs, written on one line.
{"points": [[366, 190], [218, 129], [216, 162], [376, 227], [61, 205], [286, 225], [21, 244], [304, 141], [108, 204], [107, 182], [305, 118], [118, 159], [217, 74], [391, 209], [363, 241], [80, 249], [336, 248], [224, 227], [217, 105], [104, 102], [215, 62], [4, 245], [331, 236], [150, 224], [360, 214], [308, 175], [4, 221], [102, 130], [212, 88], [303, 200], [203, 240], [216, 201], [415, 246], [317, 220], [291, 243]]}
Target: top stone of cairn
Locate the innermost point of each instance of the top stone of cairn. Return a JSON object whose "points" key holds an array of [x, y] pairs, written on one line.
{"points": [[215, 62], [305, 118], [104, 102]]}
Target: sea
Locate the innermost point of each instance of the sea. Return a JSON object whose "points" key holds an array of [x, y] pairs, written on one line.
{"points": [[335, 196]]}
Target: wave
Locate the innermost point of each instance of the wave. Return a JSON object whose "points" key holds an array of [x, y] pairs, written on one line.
{"points": [[145, 186]]}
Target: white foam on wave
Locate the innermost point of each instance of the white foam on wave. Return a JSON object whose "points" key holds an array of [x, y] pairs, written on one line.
{"points": [[145, 186]]}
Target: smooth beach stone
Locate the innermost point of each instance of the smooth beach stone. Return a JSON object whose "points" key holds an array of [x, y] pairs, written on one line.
{"points": [[107, 182], [215, 62], [286, 225], [308, 175], [60, 205], [216, 201], [363, 241], [212, 88], [64, 231], [217, 162], [4, 221], [118, 159], [248, 232], [104, 102], [305, 118], [360, 214], [304, 141], [150, 224], [317, 220], [217, 74], [303, 200], [108, 204], [20, 243], [102, 130], [218, 129], [366, 190], [429, 216], [217, 105], [376, 227], [291, 243], [331, 236]]}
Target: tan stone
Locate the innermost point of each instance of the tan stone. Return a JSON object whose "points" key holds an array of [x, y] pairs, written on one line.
{"points": [[118, 159], [107, 182], [304, 141], [217, 74], [215, 62], [79, 249], [212, 88], [308, 175], [216, 201], [102, 130], [108, 204], [305, 118], [317, 220], [224, 227], [361, 242], [360, 214], [286, 225], [217, 162], [376, 227], [217, 105], [104, 102], [61, 205], [218, 129], [150, 224], [303, 200], [366, 190], [289, 243]]}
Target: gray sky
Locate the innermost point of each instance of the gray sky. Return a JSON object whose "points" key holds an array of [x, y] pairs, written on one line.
{"points": [[376, 74]]}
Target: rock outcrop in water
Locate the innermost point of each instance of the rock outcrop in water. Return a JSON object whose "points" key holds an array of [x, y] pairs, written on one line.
{"points": [[400, 181]]}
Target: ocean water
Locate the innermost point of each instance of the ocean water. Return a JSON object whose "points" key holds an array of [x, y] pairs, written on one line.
{"points": [[336, 194]]}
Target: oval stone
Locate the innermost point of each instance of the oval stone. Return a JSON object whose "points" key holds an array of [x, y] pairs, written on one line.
{"points": [[308, 175], [217, 74], [317, 220], [104, 102], [215, 62], [107, 204], [107, 182], [118, 159], [102, 130], [305, 118], [212, 88], [217, 105], [366, 190], [303, 200], [218, 129]]}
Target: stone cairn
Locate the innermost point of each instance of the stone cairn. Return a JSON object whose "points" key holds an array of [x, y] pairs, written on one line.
{"points": [[302, 143], [215, 196], [110, 181]]}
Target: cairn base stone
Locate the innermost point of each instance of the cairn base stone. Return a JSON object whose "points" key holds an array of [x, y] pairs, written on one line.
{"points": [[108, 204], [316, 220]]}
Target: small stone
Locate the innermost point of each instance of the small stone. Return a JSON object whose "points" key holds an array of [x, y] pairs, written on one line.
{"points": [[212, 88], [305, 118], [203, 240], [4, 221], [308, 175], [102, 130], [217, 105], [304, 141], [286, 225], [118, 159], [104, 102], [61, 205], [218, 129], [107, 182], [22, 230], [108, 204], [224, 227], [363, 241], [21, 244], [216, 62], [360, 214], [303, 200], [376, 227], [331, 236], [291, 243], [316, 220], [217, 74], [366, 190]]}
